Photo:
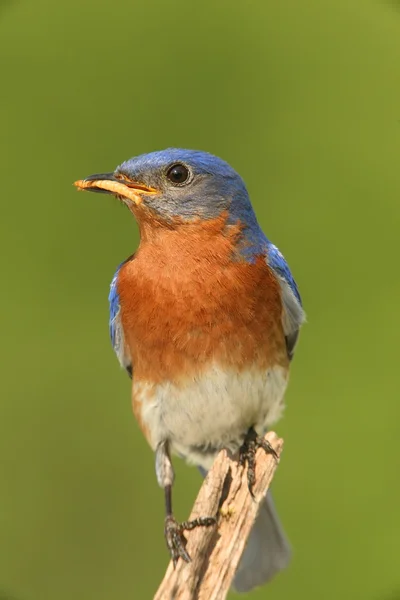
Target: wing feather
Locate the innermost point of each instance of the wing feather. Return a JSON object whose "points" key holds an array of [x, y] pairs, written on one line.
{"points": [[293, 315], [116, 329]]}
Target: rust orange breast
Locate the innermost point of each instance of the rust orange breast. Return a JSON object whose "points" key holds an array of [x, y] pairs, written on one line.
{"points": [[187, 300]]}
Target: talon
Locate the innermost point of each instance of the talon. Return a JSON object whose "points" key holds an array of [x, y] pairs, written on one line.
{"points": [[252, 442], [261, 442], [176, 541]]}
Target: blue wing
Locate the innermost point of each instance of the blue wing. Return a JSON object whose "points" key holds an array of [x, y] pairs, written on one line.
{"points": [[277, 261], [293, 314], [116, 329]]}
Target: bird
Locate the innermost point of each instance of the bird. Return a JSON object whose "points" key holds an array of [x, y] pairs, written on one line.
{"points": [[204, 317]]}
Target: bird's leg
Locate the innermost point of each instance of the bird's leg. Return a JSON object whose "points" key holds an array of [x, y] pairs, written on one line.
{"points": [[173, 531], [247, 453]]}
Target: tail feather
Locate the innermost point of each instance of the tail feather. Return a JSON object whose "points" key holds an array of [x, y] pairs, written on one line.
{"points": [[267, 551]]}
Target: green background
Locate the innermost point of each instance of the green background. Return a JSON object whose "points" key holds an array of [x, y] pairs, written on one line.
{"points": [[303, 98]]}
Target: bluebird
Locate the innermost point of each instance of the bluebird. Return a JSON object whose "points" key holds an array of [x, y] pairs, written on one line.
{"points": [[204, 317]]}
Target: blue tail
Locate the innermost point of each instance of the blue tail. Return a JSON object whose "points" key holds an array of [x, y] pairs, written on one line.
{"points": [[267, 551]]}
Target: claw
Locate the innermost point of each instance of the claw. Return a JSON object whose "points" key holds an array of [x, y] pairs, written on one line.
{"points": [[176, 541], [247, 453]]}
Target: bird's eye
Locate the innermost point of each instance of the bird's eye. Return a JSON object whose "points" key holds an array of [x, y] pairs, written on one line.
{"points": [[178, 174]]}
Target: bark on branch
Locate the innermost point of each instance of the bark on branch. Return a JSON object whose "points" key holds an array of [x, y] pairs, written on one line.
{"points": [[216, 551]]}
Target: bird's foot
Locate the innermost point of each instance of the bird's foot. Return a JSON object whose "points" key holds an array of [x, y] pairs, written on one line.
{"points": [[176, 541], [247, 454]]}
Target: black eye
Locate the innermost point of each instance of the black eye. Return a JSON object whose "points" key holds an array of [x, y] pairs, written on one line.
{"points": [[178, 174]]}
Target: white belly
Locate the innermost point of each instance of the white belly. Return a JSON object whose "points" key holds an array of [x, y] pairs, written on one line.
{"points": [[212, 411]]}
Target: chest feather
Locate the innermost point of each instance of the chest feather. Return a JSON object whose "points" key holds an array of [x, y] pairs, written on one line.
{"points": [[186, 302]]}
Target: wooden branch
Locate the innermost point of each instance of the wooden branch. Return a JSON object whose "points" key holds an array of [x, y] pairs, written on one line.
{"points": [[216, 551]]}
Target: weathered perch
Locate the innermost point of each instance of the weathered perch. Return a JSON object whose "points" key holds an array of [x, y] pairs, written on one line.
{"points": [[216, 551]]}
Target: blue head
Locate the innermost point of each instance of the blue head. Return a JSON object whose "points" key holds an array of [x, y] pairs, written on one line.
{"points": [[189, 183], [175, 183], [175, 186]]}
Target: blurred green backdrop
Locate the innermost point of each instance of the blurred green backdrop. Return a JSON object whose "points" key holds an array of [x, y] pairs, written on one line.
{"points": [[303, 98]]}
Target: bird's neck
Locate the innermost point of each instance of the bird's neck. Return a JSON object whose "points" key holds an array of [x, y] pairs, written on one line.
{"points": [[237, 236]]}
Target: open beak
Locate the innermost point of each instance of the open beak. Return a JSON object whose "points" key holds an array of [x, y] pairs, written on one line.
{"points": [[118, 185]]}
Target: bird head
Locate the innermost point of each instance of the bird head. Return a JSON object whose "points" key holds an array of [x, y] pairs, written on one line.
{"points": [[175, 186]]}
